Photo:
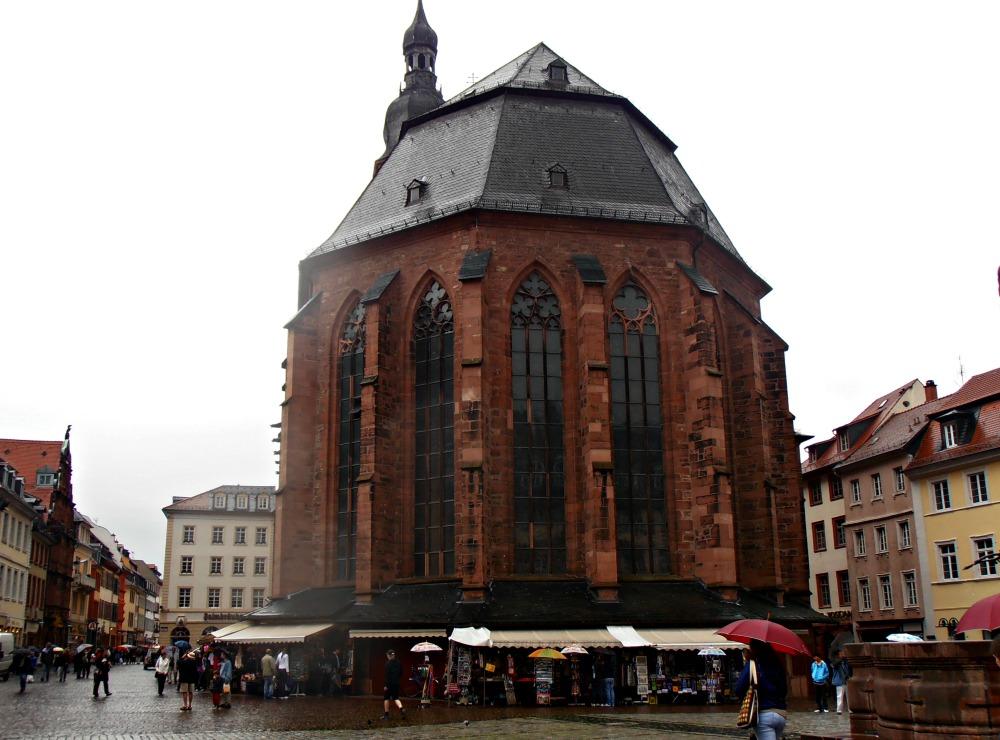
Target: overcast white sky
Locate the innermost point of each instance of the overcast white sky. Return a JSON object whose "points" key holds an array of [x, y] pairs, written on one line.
{"points": [[165, 166]]}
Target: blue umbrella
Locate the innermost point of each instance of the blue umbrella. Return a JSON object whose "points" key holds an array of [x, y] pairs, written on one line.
{"points": [[182, 645]]}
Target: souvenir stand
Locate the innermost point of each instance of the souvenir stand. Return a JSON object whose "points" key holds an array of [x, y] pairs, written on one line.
{"points": [[691, 667]]}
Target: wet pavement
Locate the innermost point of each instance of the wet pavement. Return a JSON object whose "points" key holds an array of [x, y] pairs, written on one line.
{"points": [[68, 710]]}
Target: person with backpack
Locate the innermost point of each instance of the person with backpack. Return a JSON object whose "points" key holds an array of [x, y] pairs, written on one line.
{"points": [[840, 672]]}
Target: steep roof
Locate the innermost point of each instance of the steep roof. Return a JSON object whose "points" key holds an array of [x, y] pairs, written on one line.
{"points": [[897, 432], [491, 147], [27, 457], [203, 501]]}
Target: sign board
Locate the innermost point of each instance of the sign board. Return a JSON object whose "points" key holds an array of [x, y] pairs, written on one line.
{"points": [[641, 677]]}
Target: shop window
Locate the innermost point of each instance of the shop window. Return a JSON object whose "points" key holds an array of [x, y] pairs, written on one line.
{"points": [[537, 398], [351, 371], [434, 475], [637, 432]]}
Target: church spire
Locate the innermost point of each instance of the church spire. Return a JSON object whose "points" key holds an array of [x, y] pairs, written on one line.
{"points": [[420, 93]]}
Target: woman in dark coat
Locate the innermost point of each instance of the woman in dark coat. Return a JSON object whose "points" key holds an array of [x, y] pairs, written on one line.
{"points": [[772, 691]]}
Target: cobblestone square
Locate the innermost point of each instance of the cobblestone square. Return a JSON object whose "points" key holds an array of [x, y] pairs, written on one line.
{"points": [[68, 710]]}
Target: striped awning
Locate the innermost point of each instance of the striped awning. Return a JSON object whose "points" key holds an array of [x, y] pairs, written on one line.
{"points": [[381, 634], [275, 633], [687, 639]]}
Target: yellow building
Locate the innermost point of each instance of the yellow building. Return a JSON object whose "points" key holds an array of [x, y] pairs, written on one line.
{"points": [[955, 474], [16, 517]]}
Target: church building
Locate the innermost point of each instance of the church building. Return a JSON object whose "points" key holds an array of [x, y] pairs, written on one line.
{"points": [[529, 384]]}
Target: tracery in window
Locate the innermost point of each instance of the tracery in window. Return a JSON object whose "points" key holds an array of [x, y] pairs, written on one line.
{"points": [[537, 397], [434, 474], [351, 369], [637, 434]]}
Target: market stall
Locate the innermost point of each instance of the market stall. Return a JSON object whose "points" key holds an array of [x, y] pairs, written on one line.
{"points": [[693, 666]]}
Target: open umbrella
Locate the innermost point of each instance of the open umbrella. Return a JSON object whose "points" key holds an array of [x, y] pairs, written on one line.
{"points": [[425, 647], [903, 637], [83, 646], [547, 653], [780, 638], [574, 650], [712, 651], [983, 615], [58, 650]]}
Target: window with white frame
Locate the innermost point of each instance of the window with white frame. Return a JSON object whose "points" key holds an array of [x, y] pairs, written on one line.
{"points": [[904, 534], [261, 538], [909, 588], [845, 441], [45, 479], [263, 502], [949, 434], [188, 535], [985, 555], [855, 491], [977, 488], [885, 591], [184, 597], [859, 543], [236, 598], [241, 501], [217, 533], [948, 557], [942, 495], [240, 536], [877, 486], [220, 501], [258, 566], [258, 598], [187, 565], [881, 540], [239, 566], [215, 565], [864, 595], [900, 479], [214, 598]]}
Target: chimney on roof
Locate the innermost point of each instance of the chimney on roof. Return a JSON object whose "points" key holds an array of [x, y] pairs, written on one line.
{"points": [[930, 390]]}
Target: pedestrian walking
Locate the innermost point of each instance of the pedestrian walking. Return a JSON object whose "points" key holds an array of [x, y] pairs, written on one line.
{"points": [[226, 672], [187, 677], [102, 669], [79, 661], [162, 670], [60, 662], [267, 672], [23, 665], [393, 676], [820, 673], [46, 661], [281, 664], [772, 690], [840, 672]]}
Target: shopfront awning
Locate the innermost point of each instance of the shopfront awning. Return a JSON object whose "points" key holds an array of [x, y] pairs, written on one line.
{"points": [[628, 637], [275, 633], [471, 636], [687, 639], [229, 629], [381, 634], [595, 637]]}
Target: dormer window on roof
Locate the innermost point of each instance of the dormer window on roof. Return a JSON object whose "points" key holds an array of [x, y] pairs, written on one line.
{"points": [[845, 442], [949, 434], [557, 71], [558, 177], [415, 191]]}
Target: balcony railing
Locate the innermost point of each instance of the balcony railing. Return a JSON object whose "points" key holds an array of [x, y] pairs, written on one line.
{"points": [[81, 580]]}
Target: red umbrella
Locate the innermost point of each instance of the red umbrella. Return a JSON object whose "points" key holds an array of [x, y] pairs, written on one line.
{"points": [[983, 615], [780, 638]]}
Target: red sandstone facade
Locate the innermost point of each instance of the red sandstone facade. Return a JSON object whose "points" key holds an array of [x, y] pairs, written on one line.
{"points": [[732, 470]]}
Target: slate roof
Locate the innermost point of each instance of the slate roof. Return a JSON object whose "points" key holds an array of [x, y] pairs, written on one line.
{"points": [[203, 501], [490, 148], [533, 604]]}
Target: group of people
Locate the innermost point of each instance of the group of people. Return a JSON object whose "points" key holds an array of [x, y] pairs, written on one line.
{"points": [[51, 658], [834, 674]]}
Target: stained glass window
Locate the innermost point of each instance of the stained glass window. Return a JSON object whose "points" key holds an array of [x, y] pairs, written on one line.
{"points": [[351, 371], [537, 396], [434, 475], [637, 432]]}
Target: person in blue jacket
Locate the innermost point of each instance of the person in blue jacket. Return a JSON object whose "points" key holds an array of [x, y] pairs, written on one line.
{"points": [[820, 673], [772, 691]]}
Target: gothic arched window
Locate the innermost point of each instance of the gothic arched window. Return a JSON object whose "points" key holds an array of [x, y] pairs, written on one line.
{"points": [[537, 395], [637, 432], [351, 369], [434, 474]]}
